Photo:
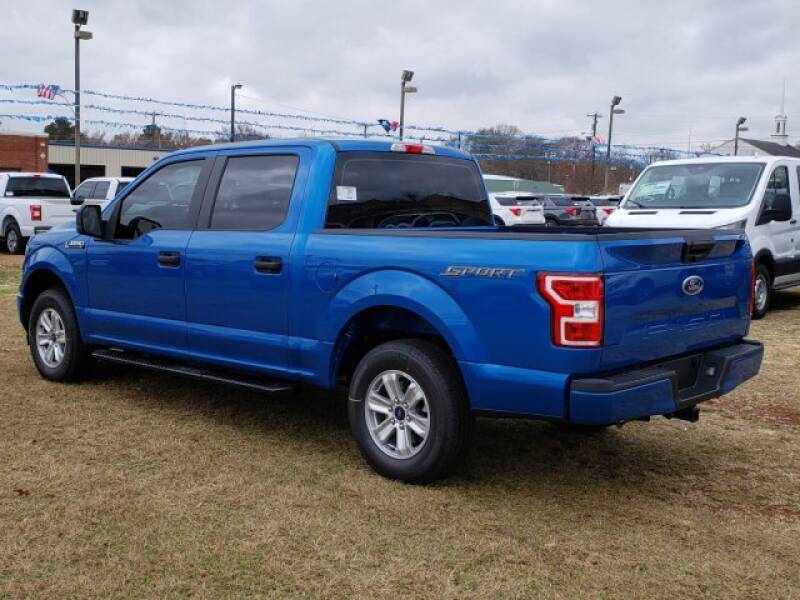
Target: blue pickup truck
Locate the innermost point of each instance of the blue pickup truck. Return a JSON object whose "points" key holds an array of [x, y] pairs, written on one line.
{"points": [[377, 266]]}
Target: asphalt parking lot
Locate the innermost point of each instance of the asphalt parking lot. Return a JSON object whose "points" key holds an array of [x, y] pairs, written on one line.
{"points": [[142, 485]]}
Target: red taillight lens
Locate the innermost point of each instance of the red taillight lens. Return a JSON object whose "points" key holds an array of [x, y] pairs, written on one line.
{"points": [[572, 211], [515, 211], [36, 212], [577, 305], [752, 287], [608, 209]]}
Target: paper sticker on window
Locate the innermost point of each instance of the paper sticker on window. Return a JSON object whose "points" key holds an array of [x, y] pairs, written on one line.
{"points": [[346, 193]]}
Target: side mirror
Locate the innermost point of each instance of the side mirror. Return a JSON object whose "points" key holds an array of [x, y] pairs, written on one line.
{"points": [[89, 222], [77, 200]]}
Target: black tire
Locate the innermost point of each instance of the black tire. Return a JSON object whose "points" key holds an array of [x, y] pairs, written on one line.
{"points": [[15, 243], [76, 361], [450, 420], [499, 222], [763, 277], [550, 222]]}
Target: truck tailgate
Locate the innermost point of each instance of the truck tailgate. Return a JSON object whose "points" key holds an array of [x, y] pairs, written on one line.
{"points": [[55, 210], [669, 296]]}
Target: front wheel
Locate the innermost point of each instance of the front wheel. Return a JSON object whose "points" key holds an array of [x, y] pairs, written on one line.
{"points": [[55, 341], [762, 291], [408, 411]]}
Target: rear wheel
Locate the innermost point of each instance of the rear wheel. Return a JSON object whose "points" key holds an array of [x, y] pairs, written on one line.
{"points": [[408, 411], [499, 222], [550, 222], [15, 243], [762, 291], [55, 341]]}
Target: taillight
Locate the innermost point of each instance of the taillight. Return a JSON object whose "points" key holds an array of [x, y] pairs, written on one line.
{"points": [[36, 212], [752, 286], [576, 302], [572, 211], [608, 209], [413, 148], [515, 211]]}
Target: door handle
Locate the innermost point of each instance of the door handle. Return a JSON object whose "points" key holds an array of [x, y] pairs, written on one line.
{"points": [[169, 259], [268, 264]]}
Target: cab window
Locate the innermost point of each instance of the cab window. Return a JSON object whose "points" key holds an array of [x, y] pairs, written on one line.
{"points": [[162, 201], [778, 185]]}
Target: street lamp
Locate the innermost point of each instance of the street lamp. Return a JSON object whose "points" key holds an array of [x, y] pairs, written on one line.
{"points": [[612, 111], [739, 122], [234, 87], [79, 17], [405, 89]]}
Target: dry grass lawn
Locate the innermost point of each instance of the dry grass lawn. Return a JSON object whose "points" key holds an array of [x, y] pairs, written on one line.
{"points": [[142, 485]]}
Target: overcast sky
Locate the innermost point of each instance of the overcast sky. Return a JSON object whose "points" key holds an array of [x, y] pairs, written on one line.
{"points": [[679, 65]]}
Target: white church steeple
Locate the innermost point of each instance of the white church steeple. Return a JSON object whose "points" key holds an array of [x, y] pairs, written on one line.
{"points": [[779, 134]]}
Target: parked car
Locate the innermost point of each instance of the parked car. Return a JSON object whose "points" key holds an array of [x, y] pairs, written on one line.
{"points": [[99, 190], [759, 195], [29, 204], [564, 210], [326, 262], [604, 206], [510, 208]]}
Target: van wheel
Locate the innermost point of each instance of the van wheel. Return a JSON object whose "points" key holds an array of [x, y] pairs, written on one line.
{"points": [[762, 291], [15, 243], [54, 338], [408, 411]]}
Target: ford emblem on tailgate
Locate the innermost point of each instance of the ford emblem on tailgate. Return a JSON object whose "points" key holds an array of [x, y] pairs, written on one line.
{"points": [[693, 285]]}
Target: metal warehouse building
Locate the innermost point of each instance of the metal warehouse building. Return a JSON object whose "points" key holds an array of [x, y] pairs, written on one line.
{"points": [[100, 161]]}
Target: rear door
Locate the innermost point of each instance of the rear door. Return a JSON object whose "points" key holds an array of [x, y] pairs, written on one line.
{"points": [[239, 260], [670, 294]]}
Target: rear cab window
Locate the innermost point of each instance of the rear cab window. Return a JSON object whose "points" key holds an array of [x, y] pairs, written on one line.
{"points": [[37, 187], [382, 190]]}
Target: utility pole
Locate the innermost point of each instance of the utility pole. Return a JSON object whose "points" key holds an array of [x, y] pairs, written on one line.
{"points": [[365, 130], [594, 116]]}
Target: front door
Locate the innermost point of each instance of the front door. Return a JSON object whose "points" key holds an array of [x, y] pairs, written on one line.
{"points": [[137, 277], [784, 234], [239, 262]]}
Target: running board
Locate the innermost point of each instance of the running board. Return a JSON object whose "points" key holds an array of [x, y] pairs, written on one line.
{"points": [[253, 382]]}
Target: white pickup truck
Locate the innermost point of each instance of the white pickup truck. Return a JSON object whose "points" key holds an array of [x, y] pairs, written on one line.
{"points": [[29, 204]]}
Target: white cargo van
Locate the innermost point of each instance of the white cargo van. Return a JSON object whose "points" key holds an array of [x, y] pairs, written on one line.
{"points": [[760, 195]]}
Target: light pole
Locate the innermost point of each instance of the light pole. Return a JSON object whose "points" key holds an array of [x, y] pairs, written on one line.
{"points": [[79, 17], [405, 89], [739, 122], [612, 111], [234, 87]]}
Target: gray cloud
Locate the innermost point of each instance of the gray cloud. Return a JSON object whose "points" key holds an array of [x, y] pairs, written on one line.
{"points": [[542, 65]]}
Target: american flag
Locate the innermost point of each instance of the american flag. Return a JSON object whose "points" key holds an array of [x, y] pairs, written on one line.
{"points": [[48, 91], [388, 125]]}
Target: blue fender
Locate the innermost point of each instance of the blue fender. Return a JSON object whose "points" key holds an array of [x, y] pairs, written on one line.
{"points": [[48, 258]]}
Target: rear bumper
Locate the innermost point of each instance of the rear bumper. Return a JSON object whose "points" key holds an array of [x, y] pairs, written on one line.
{"points": [[665, 388]]}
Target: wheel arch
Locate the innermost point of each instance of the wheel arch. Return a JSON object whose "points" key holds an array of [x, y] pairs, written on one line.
{"points": [[387, 305], [765, 257]]}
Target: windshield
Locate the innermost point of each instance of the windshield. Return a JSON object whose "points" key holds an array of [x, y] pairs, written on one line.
{"points": [[39, 187], [389, 190], [697, 185]]}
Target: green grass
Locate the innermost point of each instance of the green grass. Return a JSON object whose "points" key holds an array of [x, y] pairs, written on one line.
{"points": [[143, 485]]}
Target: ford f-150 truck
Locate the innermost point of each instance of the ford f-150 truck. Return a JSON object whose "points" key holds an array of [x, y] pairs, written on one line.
{"points": [[378, 266]]}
